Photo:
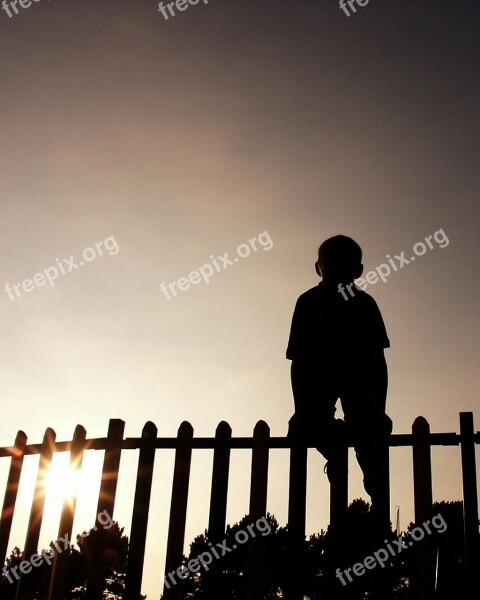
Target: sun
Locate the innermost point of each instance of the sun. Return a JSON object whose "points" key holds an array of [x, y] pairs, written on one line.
{"points": [[76, 488], [61, 484]]}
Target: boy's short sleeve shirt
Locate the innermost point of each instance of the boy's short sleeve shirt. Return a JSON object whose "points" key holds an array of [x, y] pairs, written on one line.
{"points": [[325, 325]]}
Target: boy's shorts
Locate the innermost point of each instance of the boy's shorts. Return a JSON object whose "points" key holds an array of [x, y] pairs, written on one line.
{"points": [[363, 422]]}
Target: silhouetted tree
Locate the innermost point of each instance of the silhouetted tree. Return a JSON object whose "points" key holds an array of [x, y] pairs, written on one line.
{"points": [[106, 548], [449, 548], [317, 571]]}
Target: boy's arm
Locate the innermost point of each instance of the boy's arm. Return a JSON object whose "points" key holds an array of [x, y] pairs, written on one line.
{"points": [[300, 376], [381, 380], [299, 373]]}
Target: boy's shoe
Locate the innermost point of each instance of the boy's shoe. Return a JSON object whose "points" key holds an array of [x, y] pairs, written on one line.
{"points": [[327, 469], [333, 471]]}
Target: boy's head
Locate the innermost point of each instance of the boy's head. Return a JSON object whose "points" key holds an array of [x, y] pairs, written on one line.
{"points": [[339, 260]]}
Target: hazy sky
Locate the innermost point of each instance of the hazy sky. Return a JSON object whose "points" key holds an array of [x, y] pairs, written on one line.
{"points": [[185, 138]]}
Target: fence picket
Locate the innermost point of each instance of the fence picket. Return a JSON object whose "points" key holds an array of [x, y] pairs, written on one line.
{"points": [[218, 503], [470, 501], [297, 506], [255, 576], [141, 505], [11, 493], [106, 502], [178, 508], [338, 522], [60, 562], [424, 584], [38, 503]]}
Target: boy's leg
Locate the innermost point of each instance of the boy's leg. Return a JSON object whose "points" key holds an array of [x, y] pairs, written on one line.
{"points": [[370, 430], [372, 452], [314, 407], [331, 436], [369, 443], [314, 423], [316, 426]]}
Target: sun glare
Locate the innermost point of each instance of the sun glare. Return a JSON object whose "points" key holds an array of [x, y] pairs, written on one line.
{"points": [[61, 484]]}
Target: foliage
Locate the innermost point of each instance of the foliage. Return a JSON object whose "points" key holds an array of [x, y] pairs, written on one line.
{"points": [[364, 538], [102, 554], [107, 550]]}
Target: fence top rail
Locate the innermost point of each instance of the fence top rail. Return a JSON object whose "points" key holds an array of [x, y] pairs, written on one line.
{"points": [[210, 443]]}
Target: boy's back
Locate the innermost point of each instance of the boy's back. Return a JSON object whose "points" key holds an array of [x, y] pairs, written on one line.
{"points": [[328, 328], [336, 346]]}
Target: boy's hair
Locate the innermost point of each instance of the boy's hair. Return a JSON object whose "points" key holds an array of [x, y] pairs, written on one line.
{"points": [[340, 253]]}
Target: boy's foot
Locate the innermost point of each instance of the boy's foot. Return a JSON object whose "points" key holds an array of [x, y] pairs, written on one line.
{"points": [[328, 470], [333, 471]]}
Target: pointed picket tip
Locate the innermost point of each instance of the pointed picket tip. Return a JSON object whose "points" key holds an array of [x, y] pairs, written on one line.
{"points": [[49, 439], [421, 425], [78, 445], [223, 428], [185, 429], [261, 428], [149, 430], [49, 434], [21, 438], [80, 432], [20, 443]]}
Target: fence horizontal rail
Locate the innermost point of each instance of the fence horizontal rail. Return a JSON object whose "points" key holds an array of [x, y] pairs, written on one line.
{"points": [[208, 443]]}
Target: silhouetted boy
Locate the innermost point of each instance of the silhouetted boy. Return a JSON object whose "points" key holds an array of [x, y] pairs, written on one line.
{"points": [[336, 347]]}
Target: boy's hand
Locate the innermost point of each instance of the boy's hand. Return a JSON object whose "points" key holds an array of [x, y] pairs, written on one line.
{"points": [[380, 375], [301, 377]]}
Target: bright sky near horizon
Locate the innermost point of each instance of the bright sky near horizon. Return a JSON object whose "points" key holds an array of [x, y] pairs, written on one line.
{"points": [[183, 139]]}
